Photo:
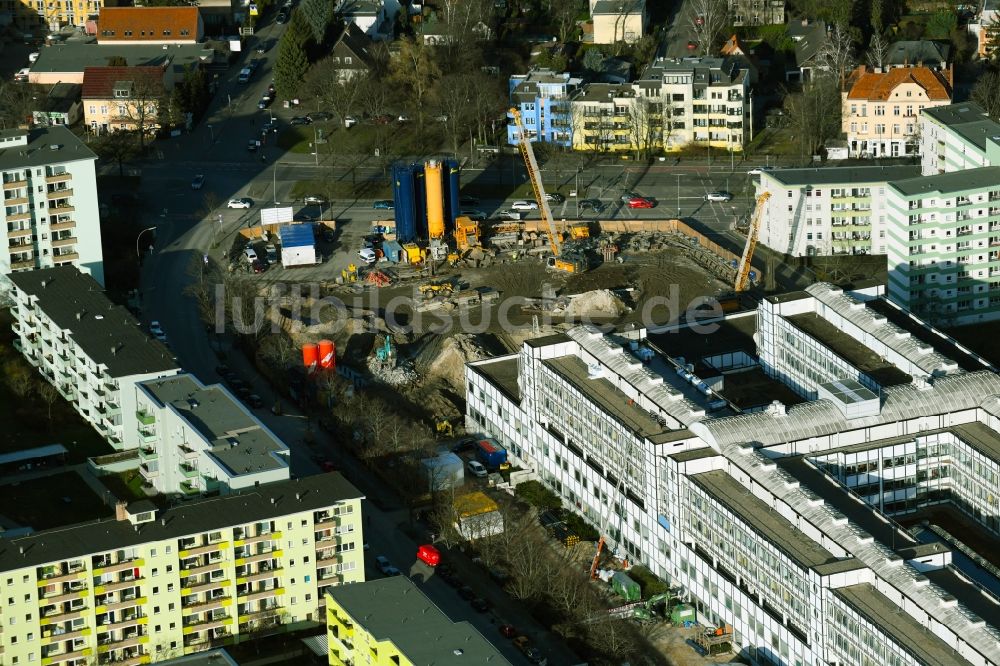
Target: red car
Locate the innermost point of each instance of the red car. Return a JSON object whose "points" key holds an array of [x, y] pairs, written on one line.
{"points": [[508, 631], [640, 202], [692, 45], [429, 555]]}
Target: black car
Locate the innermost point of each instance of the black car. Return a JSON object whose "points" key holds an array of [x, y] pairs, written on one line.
{"points": [[243, 392], [255, 401], [555, 197], [300, 120], [463, 445], [468, 201], [281, 18], [480, 605], [319, 116], [593, 204], [466, 593]]}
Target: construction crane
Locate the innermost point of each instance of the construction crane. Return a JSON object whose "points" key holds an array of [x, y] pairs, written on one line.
{"points": [[743, 269], [559, 261]]}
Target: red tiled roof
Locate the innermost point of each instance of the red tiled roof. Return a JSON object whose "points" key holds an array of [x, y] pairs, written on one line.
{"points": [[879, 86], [99, 82], [147, 24], [733, 47]]}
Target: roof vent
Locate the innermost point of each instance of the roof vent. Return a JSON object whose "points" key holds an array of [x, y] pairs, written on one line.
{"points": [[274, 500], [458, 652], [777, 408], [298, 496], [79, 315], [54, 146], [45, 283]]}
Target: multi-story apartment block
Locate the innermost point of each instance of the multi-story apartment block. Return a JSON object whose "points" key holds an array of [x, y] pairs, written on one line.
{"points": [[944, 230], [390, 621], [91, 350], [605, 118], [706, 99], [147, 585], [52, 16], [757, 12], [196, 439], [957, 137], [150, 25], [726, 463], [542, 96], [827, 211], [881, 109], [50, 213]]}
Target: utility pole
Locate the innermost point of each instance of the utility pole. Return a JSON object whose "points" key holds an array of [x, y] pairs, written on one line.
{"points": [[678, 195]]}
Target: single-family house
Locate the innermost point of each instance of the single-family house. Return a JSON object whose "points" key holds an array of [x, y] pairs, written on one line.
{"points": [[352, 53], [809, 37], [375, 17]]}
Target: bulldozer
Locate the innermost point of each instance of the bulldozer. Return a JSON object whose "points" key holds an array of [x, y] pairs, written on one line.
{"points": [[444, 429]]}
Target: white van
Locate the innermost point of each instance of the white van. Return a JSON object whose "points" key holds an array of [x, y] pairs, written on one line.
{"points": [[244, 75]]}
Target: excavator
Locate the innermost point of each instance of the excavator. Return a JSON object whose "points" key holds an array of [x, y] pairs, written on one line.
{"points": [[743, 269], [561, 260]]}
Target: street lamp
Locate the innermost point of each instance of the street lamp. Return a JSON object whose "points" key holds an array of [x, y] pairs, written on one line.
{"points": [[137, 255], [678, 195]]}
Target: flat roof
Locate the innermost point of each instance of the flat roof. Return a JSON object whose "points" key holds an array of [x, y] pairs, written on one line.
{"points": [[847, 175], [502, 374], [40, 151], [947, 183], [848, 348], [695, 454], [733, 334], [980, 437], [921, 331], [910, 635], [618, 7], [546, 340], [394, 609], [107, 333], [75, 56], [762, 518], [968, 593], [235, 437], [265, 502], [840, 566], [605, 395], [788, 297]]}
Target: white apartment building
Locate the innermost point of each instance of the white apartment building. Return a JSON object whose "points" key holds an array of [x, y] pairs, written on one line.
{"points": [[196, 438], [150, 585], [944, 248], [91, 350], [707, 100], [832, 210], [957, 137], [707, 458], [50, 212]]}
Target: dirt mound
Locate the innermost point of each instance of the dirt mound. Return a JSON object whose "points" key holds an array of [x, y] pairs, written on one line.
{"points": [[597, 303], [450, 362]]}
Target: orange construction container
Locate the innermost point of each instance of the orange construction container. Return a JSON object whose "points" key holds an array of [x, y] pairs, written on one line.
{"points": [[310, 354], [327, 354]]}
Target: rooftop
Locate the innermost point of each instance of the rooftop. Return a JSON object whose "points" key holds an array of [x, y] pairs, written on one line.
{"points": [[911, 635], [949, 183], [40, 151], [969, 594], [618, 7], [146, 24], [235, 437], [193, 517], [981, 437], [546, 340], [846, 175], [604, 92], [503, 374], [918, 52], [738, 499], [394, 609], [68, 57], [849, 349], [732, 334], [61, 98], [140, 82], [105, 332], [946, 346], [879, 86]]}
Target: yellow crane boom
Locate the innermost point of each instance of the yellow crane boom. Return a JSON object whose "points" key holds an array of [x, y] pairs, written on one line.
{"points": [[743, 270], [536, 180]]}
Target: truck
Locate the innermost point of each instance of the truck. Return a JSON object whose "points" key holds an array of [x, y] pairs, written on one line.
{"points": [[491, 454], [244, 76]]}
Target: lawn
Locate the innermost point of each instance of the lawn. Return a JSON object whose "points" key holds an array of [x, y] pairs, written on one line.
{"points": [[126, 485], [52, 501], [362, 139], [26, 420]]}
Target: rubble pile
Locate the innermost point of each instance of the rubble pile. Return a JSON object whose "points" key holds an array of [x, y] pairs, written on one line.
{"points": [[597, 303], [456, 351], [398, 375]]}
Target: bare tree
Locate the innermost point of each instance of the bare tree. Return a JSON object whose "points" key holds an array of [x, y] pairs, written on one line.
{"points": [[486, 104], [710, 18], [649, 124], [330, 91], [19, 378], [565, 14], [456, 100], [878, 51], [837, 53], [814, 113], [49, 395], [138, 106], [416, 72]]}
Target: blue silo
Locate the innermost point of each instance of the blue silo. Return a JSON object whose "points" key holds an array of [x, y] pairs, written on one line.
{"points": [[451, 186], [406, 211], [419, 198]]}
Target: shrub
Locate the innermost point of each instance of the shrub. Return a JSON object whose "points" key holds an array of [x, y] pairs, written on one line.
{"points": [[537, 495]]}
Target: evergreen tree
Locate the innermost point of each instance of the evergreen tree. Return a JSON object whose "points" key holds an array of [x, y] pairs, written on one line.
{"points": [[292, 62], [317, 15]]}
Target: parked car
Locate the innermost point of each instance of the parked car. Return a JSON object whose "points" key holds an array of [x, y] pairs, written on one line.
{"points": [[592, 204], [22, 75], [300, 120], [314, 199], [719, 196], [252, 145], [264, 102], [258, 266], [476, 215], [198, 181], [480, 605], [319, 116], [628, 196], [250, 253], [692, 45], [465, 444], [271, 252], [508, 631], [367, 255], [466, 200], [383, 564], [523, 204], [270, 126], [157, 331], [403, 118], [476, 469], [555, 197], [255, 401], [641, 202], [429, 555], [383, 204], [281, 18], [509, 215], [242, 202], [350, 121], [756, 171]]}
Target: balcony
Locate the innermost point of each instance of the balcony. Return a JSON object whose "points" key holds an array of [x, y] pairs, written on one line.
{"points": [[267, 536], [148, 437], [325, 522], [65, 224], [261, 594], [55, 575], [55, 194], [330, 556], [187, 453], [196, 588], [14, 184], [64, 241], [105, 567], [263, 574], [66, 656], [120, 585], [66, 256], [145, 418], [198, 627], [148, 453], [137, 620], [271, 612], [148, 472], [124, 603], [59, 178], [207, 548], [206, 605], [15, 248], [62, 635], [18, 233], [61, 615], [26, 263], [14, 201], [204, 568], [189, 488], [258, 557], [64, 596], [124, 642], [17, 217]]}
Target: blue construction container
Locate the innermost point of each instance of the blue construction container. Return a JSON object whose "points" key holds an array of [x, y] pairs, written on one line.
{"points": [[420, 198], [404, 202], [490, 453], [451, 185]]}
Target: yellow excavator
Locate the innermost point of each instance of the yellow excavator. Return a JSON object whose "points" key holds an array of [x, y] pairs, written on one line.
{"points": [[560, 261]]}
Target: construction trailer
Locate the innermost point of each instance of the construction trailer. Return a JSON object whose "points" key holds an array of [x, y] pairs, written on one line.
{"points": [[298, 245], [443, 472], [477, 516]]}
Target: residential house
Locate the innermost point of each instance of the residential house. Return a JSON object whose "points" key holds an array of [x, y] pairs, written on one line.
{"points": [[543, 98], [66, 62], [618, 20], [393, 619], [987, 28], [920, 53], [60, 106], [124, 98], [150, 25], [376, 18], [50, 215], [735, 49], [957, 137], [150, 584], [826, 211], [880, 112], [809, 37], [352, 53], [757, 12], [604, 120]]}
